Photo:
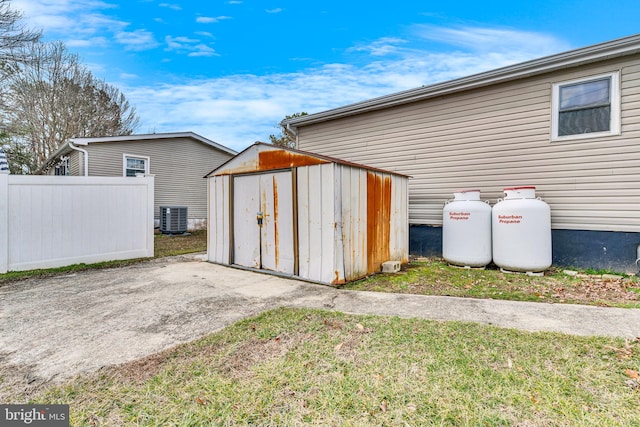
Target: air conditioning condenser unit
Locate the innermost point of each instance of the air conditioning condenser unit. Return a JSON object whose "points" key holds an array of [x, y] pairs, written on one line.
{"points": [[173, 219]]}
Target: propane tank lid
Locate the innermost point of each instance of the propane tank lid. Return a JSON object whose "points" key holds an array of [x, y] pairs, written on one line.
{"points": [[466, 195], [522, 192]]}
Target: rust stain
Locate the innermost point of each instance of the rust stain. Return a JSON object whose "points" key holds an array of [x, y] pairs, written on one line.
{"points": [[264, 230], [282, 159], [247, 166], [337, 280], [378, 220], [276, 237]]}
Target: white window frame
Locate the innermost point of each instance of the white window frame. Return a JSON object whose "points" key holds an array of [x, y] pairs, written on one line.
{"points": [[147, 162], [63, 167], [614, 93]]}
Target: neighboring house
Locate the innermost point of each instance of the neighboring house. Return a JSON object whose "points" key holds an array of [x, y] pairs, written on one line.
{"points": [[178, 161], [568, 124]]}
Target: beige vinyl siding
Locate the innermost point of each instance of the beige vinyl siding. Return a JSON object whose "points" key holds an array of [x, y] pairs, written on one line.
{"points": [[76, 163], [500, 136], [179, 165]]}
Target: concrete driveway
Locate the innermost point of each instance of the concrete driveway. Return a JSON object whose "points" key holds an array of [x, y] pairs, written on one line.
{"points": [[52, 329]]}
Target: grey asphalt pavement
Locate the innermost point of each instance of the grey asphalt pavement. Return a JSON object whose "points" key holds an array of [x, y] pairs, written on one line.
{"points": [[52, 329]]}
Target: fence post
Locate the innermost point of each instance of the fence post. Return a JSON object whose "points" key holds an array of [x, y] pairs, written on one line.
{"points": [[150, 181], [4, 222]]}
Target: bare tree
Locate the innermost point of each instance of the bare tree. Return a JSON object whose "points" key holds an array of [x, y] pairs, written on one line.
{"points": [[13, 35], [19, 156], [53, 97], [285, 139]]}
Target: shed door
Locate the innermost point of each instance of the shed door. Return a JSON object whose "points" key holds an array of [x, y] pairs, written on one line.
{"points": [[270, 245], [246, 236]]}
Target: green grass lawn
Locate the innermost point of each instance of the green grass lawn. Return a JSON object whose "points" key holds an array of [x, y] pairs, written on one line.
{"points": [[307, 367], [170, 245], [433, 276]]}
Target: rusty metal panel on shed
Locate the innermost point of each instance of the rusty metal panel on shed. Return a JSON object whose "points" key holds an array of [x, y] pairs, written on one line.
{"points": [[262, 157], [378, 219]]}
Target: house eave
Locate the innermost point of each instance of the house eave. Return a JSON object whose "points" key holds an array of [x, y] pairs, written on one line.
{"points": [[53, 158], [595, 53], [142, 137]]}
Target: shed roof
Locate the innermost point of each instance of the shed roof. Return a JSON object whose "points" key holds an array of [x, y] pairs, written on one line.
{"points": [[598, 52], [261, 157]]}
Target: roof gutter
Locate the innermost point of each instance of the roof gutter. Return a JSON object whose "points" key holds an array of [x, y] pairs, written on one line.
{"points": [[51, 159], [86, 157]]}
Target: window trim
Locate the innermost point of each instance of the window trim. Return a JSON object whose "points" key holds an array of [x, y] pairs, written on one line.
{"points": [[614, 93], [147, 163], [63, 168]]}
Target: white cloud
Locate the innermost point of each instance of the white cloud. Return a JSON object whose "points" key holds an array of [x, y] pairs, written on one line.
{"points": [[237, 110], [241, 109], [128, 76], [67, 16], [58, 7], [79, 23], [136, 40], [210, 19], [171, 6], [203, 50], [89, 42], [381, 47], [276, 10], [493, 39], [179, 42], [192, 47]]}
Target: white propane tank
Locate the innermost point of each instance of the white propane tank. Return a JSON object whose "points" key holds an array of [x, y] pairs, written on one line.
{"points": [[521, 228], [466, 230]]}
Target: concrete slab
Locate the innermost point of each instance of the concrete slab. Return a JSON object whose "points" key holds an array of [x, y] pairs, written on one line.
{"points": [[55, 328]]}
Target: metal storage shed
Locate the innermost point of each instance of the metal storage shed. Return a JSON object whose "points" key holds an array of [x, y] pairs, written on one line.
{"points": [[306, 215]]}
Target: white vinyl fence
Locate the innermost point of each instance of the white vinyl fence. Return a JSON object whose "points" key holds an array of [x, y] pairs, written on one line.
{"points": [[53, 221]]}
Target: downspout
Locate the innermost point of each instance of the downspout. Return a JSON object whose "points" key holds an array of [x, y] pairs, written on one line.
{"points": [[292, 132], [86, 157]]}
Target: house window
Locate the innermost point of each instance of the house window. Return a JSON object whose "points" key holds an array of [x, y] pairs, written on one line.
{"points": [[133, 165], [62, 168], [586, 108]]}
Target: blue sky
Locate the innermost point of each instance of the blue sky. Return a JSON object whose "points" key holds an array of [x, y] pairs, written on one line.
{"points": [[231, 70]]}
